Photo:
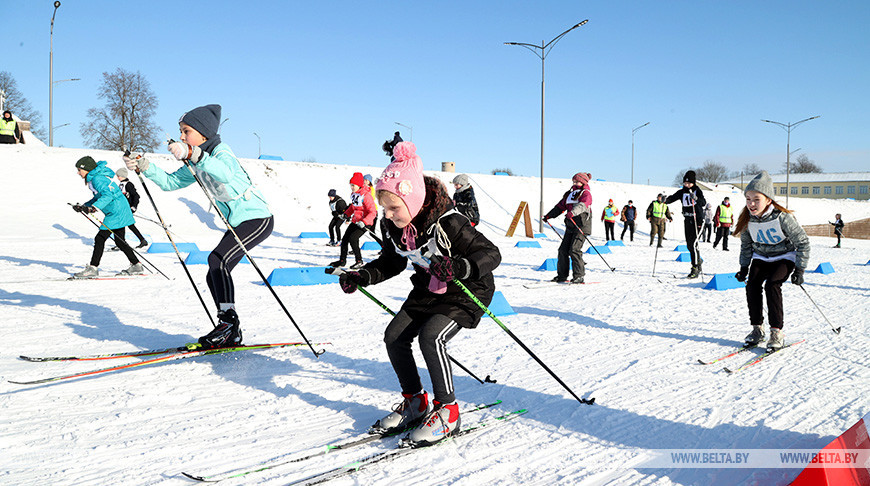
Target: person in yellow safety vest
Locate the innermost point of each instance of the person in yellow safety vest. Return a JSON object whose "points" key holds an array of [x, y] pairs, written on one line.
{"points": [[609, 217], [9, 130], [723, 220], [656, 214]]}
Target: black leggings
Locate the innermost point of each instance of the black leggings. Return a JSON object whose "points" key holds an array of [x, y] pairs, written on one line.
{"points": [[100, 245], [335, 229], [351, 237], [433, 332], [774, 273], [692, 232], [629, 225], [227, 254]]}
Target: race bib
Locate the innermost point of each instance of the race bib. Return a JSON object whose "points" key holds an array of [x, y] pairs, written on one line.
{"points": [[766, 233], [356, 199], [574, 196]]}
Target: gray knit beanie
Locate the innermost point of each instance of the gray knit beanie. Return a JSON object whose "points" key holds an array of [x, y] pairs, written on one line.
{"points": [[761, 183], [121, 173], [461, 180]]}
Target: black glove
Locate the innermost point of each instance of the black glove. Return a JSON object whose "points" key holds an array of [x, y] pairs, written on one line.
{"points": [[797, 277], [546, 218], [78, 208], [350, 280], [345, 217], [741, 275], [446, 269]]}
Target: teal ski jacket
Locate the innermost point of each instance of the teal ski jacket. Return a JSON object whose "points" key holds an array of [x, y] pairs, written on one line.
{"points": [[108, 198]]}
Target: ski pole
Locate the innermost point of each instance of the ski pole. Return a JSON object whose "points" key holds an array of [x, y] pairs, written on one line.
{"points": [[655, 259], [488, 312], [590, 244], [172, 242], [338, 271], [554, 229], [98, 223], [835, 329], [211, 200]]}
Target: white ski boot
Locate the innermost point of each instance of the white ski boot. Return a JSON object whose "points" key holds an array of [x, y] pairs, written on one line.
{"points": [[440, 424], [409, 413], [777, 339], [135, 269], [90, 271]]}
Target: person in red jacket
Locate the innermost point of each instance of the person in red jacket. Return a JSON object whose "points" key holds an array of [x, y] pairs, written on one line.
{"points": [[361, 212]]}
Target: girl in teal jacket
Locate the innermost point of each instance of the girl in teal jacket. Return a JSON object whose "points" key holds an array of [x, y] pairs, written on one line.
{"points": [[236, 198], [109, 199]]}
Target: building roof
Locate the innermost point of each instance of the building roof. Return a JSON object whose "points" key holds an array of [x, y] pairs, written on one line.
{"points": [[830, 177]]}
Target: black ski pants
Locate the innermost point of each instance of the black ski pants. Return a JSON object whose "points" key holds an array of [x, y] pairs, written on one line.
{"points": [[609, 233], [432, 331], [707, 232], [100, 245], [228, 253], [335, 228], [629, 225], [722, 233], [351, 237], [137, 233], [571, 250], [693, 230], [768, 276]]}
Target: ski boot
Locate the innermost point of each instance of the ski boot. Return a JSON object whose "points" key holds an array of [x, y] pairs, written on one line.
{"points": [[135, 269], [142, 244], [440, 424], [756, 336], [357, 265], [338, 263], [409, 413], [559, 279], [777, 339], [577, 280], [90, 271], [695, 272], [227, 333]]}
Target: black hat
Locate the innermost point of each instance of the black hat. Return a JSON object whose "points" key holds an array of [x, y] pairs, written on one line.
{"points": [[7, 111], [689, 177], [204, 119], [332, 193], [86, 163]]}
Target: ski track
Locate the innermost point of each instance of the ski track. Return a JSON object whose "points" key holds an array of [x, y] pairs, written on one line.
{"points": [[630, 342]]}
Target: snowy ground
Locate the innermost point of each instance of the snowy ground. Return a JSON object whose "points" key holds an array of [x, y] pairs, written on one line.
{"points": [[631, 341]]}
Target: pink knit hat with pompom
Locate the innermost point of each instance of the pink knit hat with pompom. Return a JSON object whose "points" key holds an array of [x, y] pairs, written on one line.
{"points": [[404, 177]]}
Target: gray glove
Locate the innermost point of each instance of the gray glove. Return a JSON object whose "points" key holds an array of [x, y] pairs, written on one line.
{"points": [[361, 224]]}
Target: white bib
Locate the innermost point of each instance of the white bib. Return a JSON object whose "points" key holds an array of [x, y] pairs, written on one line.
{"points": [[766, 233]]}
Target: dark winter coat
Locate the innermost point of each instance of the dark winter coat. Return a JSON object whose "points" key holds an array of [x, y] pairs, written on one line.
{"points": [[629, 213], [337, 206], [684, 195], [437, 220], [130, 193], [466, 203]]}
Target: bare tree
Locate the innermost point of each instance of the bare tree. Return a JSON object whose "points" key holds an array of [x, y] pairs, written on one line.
{"points": [[751, 169], [711, 171], [15, 102], [125, 122], [803, 165]]}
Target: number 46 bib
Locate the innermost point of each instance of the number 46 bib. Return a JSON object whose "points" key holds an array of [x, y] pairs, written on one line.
{"points": [[766, 233]]}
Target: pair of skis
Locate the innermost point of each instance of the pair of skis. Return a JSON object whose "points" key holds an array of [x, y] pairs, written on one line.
{"points": [[752, 362], [551, 283], [389, 454], [155, 356]]}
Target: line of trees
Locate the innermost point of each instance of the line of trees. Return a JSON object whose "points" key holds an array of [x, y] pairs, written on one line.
{"points": [[713, 171]]}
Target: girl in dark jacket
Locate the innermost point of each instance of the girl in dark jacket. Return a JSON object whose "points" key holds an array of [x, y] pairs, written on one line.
{"points": [[464, 199], [337, 207], [421, 226]]}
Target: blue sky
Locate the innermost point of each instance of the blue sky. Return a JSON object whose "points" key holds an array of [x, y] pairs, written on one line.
{"points": [[328, 80]]}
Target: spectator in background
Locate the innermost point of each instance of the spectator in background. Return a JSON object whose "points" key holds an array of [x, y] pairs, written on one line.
{"points": [[838, 227], [9, 130], [608, 215], [656, 214], [707, 231], [723, 220], [629, 214], [464, 199]]}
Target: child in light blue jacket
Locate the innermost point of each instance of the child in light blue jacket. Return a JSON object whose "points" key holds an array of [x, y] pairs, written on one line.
{"points": [[236, 198], [109, 199]]}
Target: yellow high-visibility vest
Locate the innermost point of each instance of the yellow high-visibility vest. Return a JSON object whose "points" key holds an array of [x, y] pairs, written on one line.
{"points": [[725, 213], [7, 127], [659, 209]]}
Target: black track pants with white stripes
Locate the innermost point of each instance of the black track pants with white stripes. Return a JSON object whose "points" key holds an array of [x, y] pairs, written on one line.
{"points": [[227, 254], [433, 332]]}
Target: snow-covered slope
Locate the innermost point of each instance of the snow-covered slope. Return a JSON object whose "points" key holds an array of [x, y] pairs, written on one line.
{"points": [[630, 340]]}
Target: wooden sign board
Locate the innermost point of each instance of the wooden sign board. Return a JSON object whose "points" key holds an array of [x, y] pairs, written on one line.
{"points": [[522, 210]]}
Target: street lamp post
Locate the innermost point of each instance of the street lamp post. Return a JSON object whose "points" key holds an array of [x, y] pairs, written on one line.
{"points": [[259, 152], [788, 127], [632, 149], [541, 51], [409, 128], [51, 76]]}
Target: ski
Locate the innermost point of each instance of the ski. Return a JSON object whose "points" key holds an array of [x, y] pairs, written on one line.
{"points": [[401, 450], [360, 440], [550, 283], [735, 352], [112, 277], [762, 357], [189, 348], [172, 356]]}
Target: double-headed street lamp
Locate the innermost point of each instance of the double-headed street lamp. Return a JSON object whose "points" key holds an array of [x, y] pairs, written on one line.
{"points": [[541, 51], [409, 128], [788, 127], [632, 149], [51, 75]]}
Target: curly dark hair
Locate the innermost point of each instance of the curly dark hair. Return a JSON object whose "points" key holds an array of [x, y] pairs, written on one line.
{"points": [[436, 203]]}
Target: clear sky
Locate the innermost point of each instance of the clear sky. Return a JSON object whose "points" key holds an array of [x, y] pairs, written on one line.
{"points": [[327, 80]]}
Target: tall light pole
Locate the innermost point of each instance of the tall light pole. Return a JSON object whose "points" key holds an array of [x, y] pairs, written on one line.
{"points": [[259, 152], [409, 128], [51, 76], [788, 127], [541, 51], [632, 149]]}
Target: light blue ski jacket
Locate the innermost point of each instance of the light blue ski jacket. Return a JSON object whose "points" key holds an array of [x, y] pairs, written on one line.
{"points": [[108, 198], [234, 193]]}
